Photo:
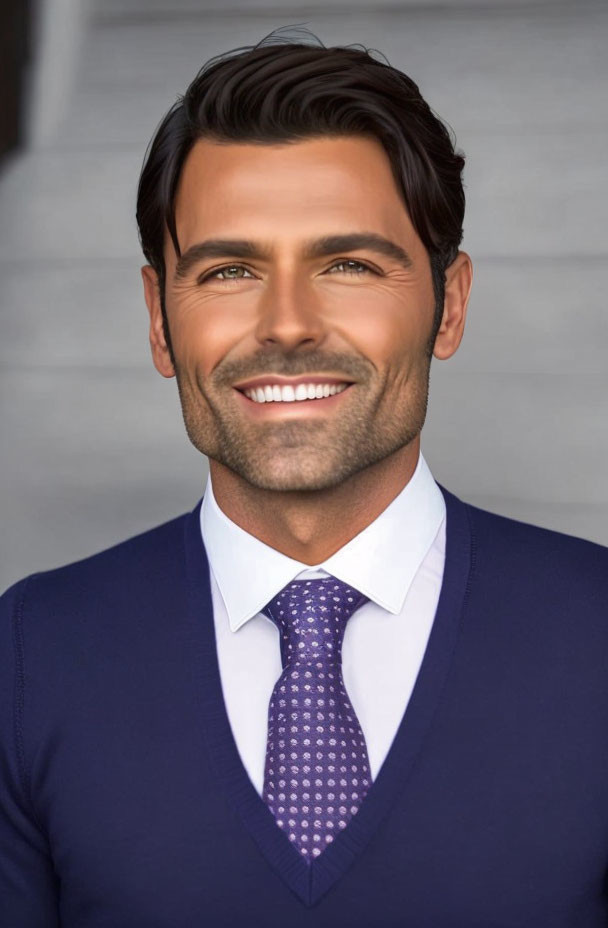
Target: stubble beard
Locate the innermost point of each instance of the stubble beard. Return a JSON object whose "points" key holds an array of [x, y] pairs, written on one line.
{"points": [[305, 455]]}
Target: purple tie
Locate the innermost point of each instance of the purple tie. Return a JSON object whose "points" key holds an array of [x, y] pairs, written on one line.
{"points": [[317, 770]]}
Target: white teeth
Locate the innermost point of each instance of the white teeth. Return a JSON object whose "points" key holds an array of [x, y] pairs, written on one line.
{"points": [[273, 393]]}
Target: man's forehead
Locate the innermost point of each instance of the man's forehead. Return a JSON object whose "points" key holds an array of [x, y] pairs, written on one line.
{"points": [[304, 190], [235, 173]]}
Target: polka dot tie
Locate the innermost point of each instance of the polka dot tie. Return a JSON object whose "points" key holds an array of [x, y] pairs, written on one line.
{"points": [[317, 770]]}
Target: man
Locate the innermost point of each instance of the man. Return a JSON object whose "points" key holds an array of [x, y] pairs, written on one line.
{"points": [[333, 694]]}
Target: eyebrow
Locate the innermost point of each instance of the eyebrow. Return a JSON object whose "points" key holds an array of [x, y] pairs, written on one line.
{"points": [[321, 248]]}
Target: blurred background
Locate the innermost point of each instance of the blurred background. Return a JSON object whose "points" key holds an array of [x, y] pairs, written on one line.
{"points": [[93, 444]]}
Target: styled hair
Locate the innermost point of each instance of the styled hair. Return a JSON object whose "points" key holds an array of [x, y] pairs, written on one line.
{"points": [[289, 90]]}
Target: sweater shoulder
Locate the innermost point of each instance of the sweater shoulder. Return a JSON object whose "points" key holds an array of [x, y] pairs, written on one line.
{"points": [[540, 555]]}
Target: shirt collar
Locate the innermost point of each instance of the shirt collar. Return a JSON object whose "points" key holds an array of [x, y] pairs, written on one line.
{"points": [[381, 561]]}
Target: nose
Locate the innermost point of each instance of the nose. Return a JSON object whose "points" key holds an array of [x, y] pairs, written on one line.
{"points": [[290, 315]]}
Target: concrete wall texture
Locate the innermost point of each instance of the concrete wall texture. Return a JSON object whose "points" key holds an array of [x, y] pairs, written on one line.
{"points": [[93, 445]]}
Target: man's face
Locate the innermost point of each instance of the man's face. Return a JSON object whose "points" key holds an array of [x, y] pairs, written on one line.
{"points": [[310, 273]]}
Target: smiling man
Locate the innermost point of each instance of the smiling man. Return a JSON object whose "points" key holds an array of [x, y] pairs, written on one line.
{"points": [[334, 693], [300, 325]]}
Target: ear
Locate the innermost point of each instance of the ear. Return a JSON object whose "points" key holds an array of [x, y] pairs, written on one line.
{"points": [[458, 281], [158, 343]]}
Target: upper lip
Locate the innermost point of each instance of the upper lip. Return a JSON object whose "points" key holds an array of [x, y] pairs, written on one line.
{"points": [[272, 379]]}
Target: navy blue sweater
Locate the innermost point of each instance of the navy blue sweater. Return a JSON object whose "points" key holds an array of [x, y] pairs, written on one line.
{"points": [[124, 802]]}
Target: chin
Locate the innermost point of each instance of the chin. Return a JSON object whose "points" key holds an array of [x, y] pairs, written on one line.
{"points": [[288, 479]]}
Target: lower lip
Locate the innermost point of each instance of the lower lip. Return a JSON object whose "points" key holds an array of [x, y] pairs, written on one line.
{"points": [[294, 408]]}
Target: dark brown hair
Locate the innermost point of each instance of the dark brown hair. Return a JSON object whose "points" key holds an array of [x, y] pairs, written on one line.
{"points": [[282, 91]]}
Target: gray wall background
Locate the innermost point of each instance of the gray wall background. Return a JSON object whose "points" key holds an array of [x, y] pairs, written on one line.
{"points": [[93, 445]]}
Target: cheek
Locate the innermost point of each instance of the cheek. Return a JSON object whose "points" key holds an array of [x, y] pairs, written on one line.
{"points": [[205, 329], [387, 328]]}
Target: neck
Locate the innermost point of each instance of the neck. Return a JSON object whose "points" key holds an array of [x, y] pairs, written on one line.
{"points": [[310, 526]]}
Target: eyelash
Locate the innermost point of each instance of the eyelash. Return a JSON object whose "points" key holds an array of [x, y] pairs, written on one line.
{"points": [[212, 274]]}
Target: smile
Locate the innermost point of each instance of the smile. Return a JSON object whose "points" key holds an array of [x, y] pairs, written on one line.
{"points": [[274, 393]]}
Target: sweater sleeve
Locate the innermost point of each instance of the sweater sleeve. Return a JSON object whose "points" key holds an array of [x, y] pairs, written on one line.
{"points": [[29, 888]]}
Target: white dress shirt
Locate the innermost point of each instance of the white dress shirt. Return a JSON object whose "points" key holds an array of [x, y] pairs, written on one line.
{"points": [[397, 561]]}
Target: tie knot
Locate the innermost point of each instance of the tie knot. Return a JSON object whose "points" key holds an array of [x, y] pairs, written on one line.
{"points": [[311, 616]]}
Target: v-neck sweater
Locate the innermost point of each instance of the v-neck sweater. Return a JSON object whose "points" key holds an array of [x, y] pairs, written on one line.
{"points": [[124, 802]]}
